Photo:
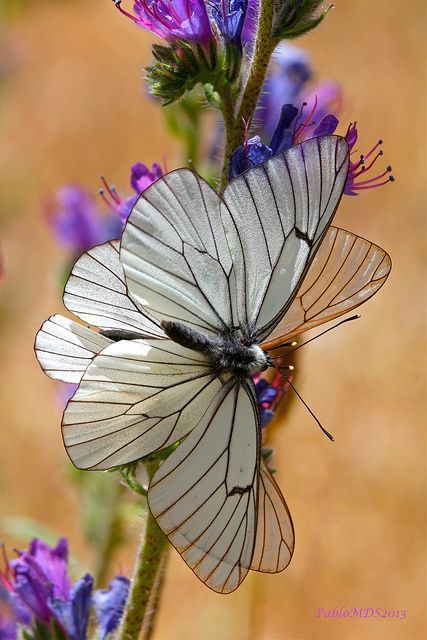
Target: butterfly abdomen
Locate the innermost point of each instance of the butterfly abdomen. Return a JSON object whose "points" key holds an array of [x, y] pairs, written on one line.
{"points": [[227, 353]]}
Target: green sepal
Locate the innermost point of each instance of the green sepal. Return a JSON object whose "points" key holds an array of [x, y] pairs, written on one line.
{"points": [[294, 18], [180, 67], [42, 631], [128, 471], [212, 96], [233, 61]]}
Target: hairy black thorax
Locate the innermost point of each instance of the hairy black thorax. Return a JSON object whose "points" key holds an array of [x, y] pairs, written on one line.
{"points": [[227, 352]]}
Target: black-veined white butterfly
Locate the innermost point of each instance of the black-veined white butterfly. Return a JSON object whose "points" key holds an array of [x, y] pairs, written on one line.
{"points": [[188, 305]]}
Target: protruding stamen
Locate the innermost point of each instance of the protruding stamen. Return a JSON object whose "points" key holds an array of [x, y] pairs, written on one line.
{"points": [[306, 123], [111, 190]]}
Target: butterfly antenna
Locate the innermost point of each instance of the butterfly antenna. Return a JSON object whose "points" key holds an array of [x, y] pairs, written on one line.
{"points": [[329, 435], [293, 344]]}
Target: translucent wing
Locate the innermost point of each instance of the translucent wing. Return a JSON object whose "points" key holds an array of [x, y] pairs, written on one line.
{"points": [[96, 292], [275, 216], [275, 537], [65, 348], [175, 254], [136, 397], [346, 271], [204, 496]]}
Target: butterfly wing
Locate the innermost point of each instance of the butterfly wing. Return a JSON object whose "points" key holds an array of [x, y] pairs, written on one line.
{"points": [[204, 496], [175, 254], [65, 348], [275, 216], [275, 538], [136, 397], [96, 293], [346, 271]]}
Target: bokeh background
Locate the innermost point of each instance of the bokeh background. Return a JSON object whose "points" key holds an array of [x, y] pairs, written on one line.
{"points": [[72, 105]]}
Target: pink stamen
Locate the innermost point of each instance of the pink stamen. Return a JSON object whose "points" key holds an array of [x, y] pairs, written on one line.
{"points": [[174, 14], [379, 143], [247, 125], [111, 192], [378, 177], [357, 187], [154, 13], [109, 204], [366, 168], [125, 13], [306, 122]]}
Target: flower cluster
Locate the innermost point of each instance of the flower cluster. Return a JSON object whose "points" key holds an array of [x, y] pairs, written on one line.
{"points": [[294, 127], [270, 395], [78, 224], [172, 19], [36, 594]]}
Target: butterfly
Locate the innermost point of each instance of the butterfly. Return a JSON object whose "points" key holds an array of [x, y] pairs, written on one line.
{"points": [[188, 306]]}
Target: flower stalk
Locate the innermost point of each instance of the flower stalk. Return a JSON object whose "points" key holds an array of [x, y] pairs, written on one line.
{"points": [[144, 595], [264, 46]]}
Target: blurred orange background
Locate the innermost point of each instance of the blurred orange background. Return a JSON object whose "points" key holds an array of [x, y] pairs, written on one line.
{"points": [[72, 107]]}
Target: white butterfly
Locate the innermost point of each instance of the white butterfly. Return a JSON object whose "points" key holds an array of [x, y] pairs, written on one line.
{"points": [[201, 287]]}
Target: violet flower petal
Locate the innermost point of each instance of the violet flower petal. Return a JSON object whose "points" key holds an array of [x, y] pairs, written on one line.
{"points": [[110, 603]]}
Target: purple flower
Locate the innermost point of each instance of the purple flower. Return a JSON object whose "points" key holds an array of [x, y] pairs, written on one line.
{"points": [[109, 604], [251, 22], [292, 129], [285, 84], [230, 17], [73, 614], [41, 575], [8, 627], [248, 155], [270, 395], [35, 590], [141, 177], [38, 590], [172, 19], [359, 168], [76, 221]]}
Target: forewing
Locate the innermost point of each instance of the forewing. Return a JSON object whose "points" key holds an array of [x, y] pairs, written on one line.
{"points": [[346, 271], [96, 292], [275, 216], [136, 397], [65, 348], [175, 255], [275, 537], [204, 495]]}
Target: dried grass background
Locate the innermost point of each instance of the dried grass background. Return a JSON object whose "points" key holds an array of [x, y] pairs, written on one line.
{"points": [[73, 107]]}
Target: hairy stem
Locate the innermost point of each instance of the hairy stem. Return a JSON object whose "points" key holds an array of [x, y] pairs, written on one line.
{"points": [[229, 122], [150, 619], [264, 46], [144, 598]]}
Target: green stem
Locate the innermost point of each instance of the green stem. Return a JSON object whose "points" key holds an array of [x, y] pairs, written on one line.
{"points": [[264, 47], [228, 117], [150, 621], [148, 564]]}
